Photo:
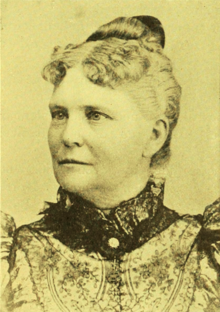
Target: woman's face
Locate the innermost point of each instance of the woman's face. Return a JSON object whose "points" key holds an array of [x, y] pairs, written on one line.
{"points": [[98, 138]]}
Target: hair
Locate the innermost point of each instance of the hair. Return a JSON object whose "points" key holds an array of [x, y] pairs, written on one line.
{"points": [[127, 53]]}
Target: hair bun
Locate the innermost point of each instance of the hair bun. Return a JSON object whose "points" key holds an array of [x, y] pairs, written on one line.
{"points": [[131, 28], [155, 26]]}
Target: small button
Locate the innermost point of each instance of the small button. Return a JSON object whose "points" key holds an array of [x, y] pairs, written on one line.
{"points": [[113, 242]]}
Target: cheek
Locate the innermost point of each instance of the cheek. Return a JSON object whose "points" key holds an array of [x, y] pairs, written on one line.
{"points": [[118, 147], [54, 140]]}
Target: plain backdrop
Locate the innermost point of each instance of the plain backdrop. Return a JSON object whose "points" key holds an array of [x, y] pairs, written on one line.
{"points": [[31, 28]]}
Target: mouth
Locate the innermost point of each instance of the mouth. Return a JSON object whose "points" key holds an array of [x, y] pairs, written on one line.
{"points": [[71, 161]]}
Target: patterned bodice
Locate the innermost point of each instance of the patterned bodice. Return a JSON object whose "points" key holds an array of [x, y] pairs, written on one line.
{"points": [[153, 261]]}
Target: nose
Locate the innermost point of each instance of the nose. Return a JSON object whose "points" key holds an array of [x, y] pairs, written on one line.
{"points": [[72, 134]]}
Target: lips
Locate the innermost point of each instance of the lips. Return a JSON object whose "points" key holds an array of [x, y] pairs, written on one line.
{"points": [[71, 161]]}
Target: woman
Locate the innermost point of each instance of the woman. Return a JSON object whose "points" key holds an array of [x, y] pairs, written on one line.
{"points": [[109, 243]]}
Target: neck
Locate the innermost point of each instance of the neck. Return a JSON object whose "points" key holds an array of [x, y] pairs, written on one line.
{"points": [[107, 199]]}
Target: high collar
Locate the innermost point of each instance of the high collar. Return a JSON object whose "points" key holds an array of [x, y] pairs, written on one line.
{"points": [[127, 215], [80, 225]]}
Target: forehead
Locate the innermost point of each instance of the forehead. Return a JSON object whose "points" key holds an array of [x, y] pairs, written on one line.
{"points": [[75, 88]]}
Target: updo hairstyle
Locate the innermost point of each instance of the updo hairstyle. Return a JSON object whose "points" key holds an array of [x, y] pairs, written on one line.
{"points": [[127, 53]]}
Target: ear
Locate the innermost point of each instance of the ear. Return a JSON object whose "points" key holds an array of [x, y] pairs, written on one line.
{"points": [[160, 130]]}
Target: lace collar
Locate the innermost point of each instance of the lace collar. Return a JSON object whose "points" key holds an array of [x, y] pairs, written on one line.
{"points": [[128, 213], [80, 225]]}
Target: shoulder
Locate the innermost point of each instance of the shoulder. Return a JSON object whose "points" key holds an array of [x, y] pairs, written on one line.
{"points": [[15, 240], [201, 232], [209, 238], [209, 221], [28, 238], [209, 234], [205, 231]]}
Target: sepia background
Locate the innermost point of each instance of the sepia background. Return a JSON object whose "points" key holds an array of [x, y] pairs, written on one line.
{"points": [[31, 28]]}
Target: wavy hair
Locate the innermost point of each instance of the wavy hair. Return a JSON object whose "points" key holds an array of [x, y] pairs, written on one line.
{"points": [[126, 53]]}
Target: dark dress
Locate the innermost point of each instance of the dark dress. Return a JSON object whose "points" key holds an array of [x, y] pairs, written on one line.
{"points": [[142, 257]]}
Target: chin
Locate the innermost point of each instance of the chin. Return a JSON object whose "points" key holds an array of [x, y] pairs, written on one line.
{"points": [[76, 183]]}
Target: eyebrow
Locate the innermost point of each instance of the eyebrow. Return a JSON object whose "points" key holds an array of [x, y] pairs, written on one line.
{"points": [[55, 106], [98, 107]]}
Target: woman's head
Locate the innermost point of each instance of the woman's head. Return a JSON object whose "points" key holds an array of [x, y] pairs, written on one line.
{"points": [[127, 53], [126, 56]]}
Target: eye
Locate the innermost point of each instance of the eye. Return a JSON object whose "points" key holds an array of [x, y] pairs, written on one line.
{"points": [[59, 115], [96, 116]]}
